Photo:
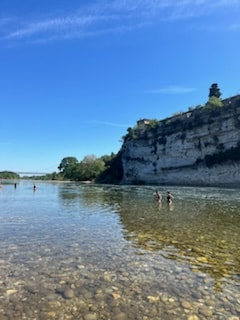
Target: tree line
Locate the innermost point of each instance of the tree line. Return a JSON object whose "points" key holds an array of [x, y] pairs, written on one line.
{"points": [[9, 175], [105, 169]]}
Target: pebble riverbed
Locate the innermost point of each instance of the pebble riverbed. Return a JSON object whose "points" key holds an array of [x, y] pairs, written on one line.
{"points": [[73, 254]]}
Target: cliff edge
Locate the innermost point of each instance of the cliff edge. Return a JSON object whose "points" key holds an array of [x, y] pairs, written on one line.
{"points": [[199, 147]]}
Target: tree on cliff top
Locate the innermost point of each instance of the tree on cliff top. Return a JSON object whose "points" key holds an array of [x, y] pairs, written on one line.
{"points": [[214, 91], [214, 100]]}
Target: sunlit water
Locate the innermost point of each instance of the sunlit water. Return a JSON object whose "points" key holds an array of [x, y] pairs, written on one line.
{"points": [[89, 252]]}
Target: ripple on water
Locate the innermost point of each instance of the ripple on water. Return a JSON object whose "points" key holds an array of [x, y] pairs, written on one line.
{"points": [[110, 252]]}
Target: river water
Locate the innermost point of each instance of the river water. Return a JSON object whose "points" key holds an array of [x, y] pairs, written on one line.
{"points": [[88, 252]]}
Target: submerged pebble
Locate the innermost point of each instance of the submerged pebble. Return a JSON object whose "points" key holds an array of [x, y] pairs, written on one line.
{"points": [[89, 254]]}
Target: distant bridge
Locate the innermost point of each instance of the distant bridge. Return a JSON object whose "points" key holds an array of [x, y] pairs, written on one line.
{"points": [[32, 173]]}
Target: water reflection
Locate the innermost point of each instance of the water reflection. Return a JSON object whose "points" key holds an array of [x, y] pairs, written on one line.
{"points": [[201, 228], [90, 195], [72, 251], [202, 231]]}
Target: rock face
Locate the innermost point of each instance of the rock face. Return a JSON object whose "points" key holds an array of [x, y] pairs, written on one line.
{"points": [[201, 147]]}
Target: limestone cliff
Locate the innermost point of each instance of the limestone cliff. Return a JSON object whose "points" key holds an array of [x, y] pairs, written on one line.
{"points": [[201, 147]]}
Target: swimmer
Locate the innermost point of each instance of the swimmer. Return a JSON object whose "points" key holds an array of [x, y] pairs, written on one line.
{"points": [[158, 196], [170, 197]]}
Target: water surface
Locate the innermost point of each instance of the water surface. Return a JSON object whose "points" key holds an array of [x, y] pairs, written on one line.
{"points": [[70, 251]]}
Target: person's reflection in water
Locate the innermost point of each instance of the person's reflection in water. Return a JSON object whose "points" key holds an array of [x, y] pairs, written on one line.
{"points": [[159, 205]]}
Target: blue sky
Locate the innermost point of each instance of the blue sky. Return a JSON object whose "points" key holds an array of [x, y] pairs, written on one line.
{"points": [[76, 74]]}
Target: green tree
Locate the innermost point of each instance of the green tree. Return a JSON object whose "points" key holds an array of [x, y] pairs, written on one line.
{"points": [[9, 175], [71, 172], [66, 163], [214, 102], [113, 172], [214, 91], [107, 158], [87, 169], [92, 167]]}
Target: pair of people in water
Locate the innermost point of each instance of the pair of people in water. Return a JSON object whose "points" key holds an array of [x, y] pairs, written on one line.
{"points": [[159, 197]]}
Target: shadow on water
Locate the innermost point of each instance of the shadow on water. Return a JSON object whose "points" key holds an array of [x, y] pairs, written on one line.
{"points": [[201, 228]]}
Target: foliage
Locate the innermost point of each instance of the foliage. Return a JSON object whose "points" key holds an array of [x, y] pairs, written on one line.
{"points": [[106, 169], [90, 168], [66, 162], [131, 135], [113, 172], [9, 175], [214, 91], [47, 177], [153, 123], [214, 102], [198, 106], [87, 169], [178, 113]]}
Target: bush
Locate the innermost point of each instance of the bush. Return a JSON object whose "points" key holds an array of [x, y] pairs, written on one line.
{"points": [[214, 102]]}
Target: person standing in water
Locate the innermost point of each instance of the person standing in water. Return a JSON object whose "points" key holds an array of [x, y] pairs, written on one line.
{"points": [[158, 196], [170, 197]]}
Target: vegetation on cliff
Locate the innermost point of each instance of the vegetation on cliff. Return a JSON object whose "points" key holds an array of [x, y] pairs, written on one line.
{"points": [[195, 116]]}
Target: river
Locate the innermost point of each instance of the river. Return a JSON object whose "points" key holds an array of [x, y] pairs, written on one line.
{"points": [[88, 252]]}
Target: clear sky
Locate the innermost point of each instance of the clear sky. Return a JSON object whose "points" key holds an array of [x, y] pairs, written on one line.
{"points": [[74, 75]]}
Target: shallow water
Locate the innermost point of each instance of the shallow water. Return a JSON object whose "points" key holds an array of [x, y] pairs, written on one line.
{"points": [[70, 251]]}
